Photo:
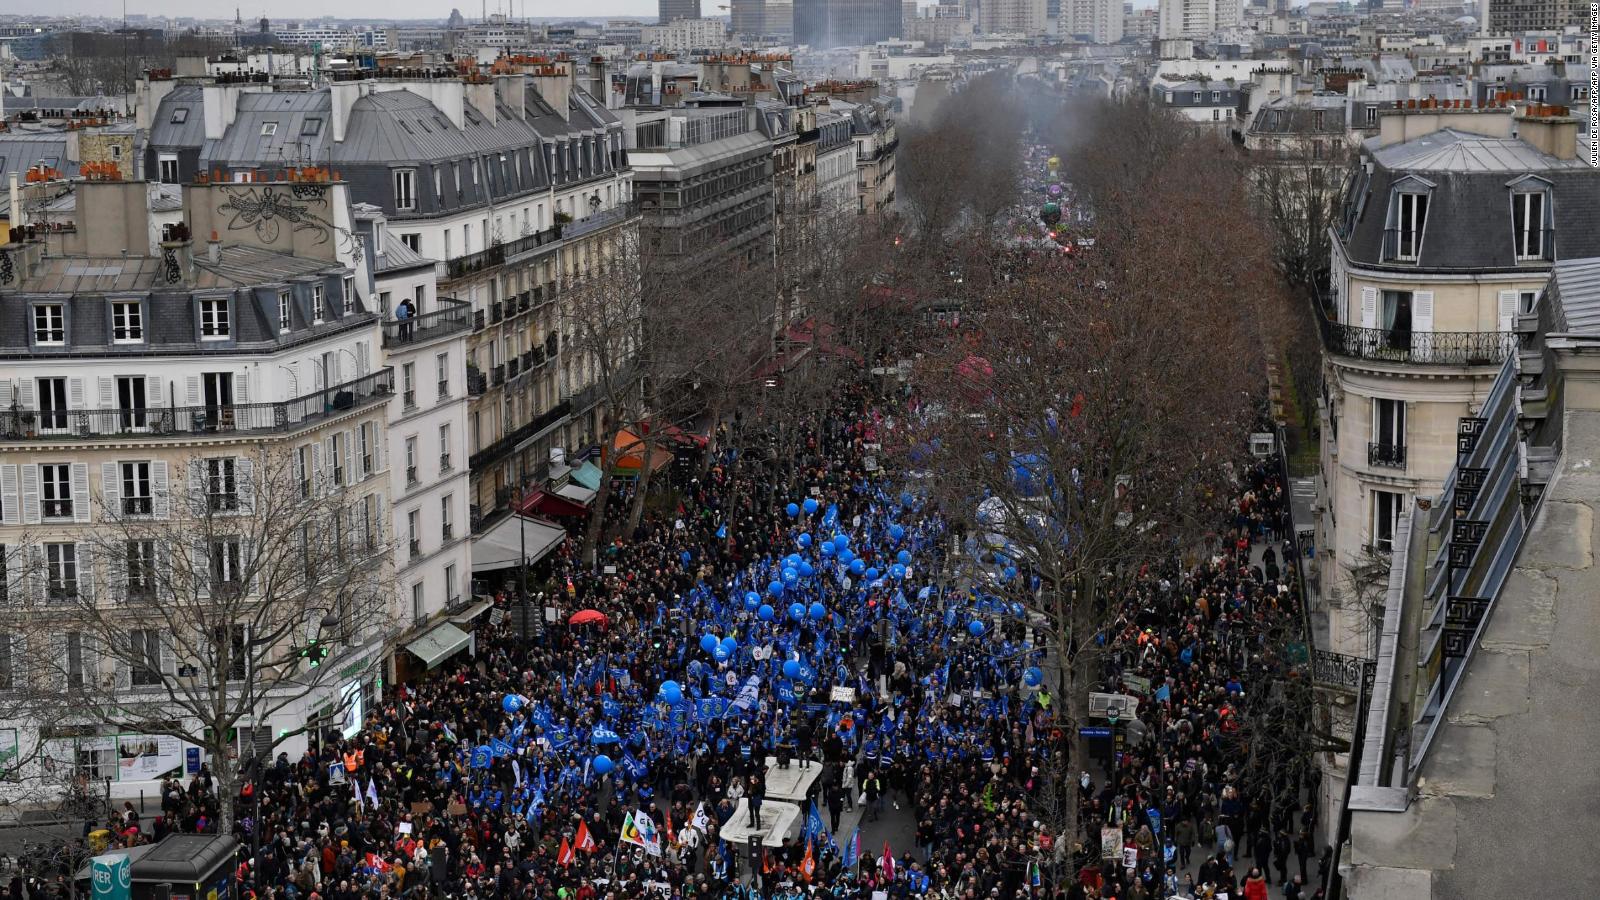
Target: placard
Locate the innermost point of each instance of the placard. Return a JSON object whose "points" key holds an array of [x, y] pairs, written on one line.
{"points": [[146, 757], [457, 808], [551, 615], [336, 774], [497, 616], [1130, 857], [1110, 843], [422, 807], [842, 695], [405, 827]]}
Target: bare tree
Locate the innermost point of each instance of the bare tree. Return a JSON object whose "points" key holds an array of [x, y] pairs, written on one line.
{"points": [[1298, 178], [213, 608]]}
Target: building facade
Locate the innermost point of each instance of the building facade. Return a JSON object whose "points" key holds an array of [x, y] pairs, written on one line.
{"points": [[845, 23]]}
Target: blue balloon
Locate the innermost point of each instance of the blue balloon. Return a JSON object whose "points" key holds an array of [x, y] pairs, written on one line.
{"points": [[898, 571], [671, 692], [818, 611], [903, 557], [896, 532], [804, 539], [872, 573], [806, 569], [846, 556], [792, 561], [1032, 677], [797, 611], [603, 764], [766, 612], [840, 542], [720, 654], [751, 601], [857, 566], [791, 668], [975, 627], [790, 576], [511, 703], [775, 589], [708, 642], [826, 549], [811, 505], [792, 509]]}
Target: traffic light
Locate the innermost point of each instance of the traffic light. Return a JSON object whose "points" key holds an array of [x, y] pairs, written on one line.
{"points": [[314, 654]]}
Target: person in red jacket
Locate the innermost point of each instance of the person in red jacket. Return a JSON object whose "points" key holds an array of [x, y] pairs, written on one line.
{"points": [[1255, 886]]}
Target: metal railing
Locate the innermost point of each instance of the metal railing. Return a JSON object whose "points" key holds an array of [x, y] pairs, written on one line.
{"points": [[218, 419], [452, 316], [511, 439], [1444, 348], [1389, 456]]}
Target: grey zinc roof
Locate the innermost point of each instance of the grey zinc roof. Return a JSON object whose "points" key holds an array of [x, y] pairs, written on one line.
{"points": [[1575, 284], [399, 125], [20, 151], [191, 132], [247, 266], [287, 112], [1449, 150], [396, 255], [91, 275]]}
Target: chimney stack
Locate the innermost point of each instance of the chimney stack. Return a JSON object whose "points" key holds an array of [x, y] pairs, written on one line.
{"points": [[1550, 130]]}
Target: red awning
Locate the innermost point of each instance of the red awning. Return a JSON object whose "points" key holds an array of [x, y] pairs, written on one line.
{"points": [[549, 504], [588, 617], [672, 434]]}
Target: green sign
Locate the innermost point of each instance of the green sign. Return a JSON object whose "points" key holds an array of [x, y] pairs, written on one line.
{"points": [[111, 876]]}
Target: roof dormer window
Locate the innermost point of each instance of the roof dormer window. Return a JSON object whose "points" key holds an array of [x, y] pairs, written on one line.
{"points": [[1532, 222], [180, 115], [1408, 217]]}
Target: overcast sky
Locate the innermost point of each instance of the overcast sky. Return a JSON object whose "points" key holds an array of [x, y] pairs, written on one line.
{"points": [[353, 9]]}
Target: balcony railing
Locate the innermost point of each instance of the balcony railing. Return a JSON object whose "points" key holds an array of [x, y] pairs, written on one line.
{"points": [[509, 441], [1444, 348], [1389, 456], [452, 316], [218, 419], [477, 382]]}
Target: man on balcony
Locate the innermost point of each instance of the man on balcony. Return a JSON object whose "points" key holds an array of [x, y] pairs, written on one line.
{"points": [[405, 312]]}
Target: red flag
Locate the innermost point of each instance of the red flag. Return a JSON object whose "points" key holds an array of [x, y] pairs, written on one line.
{"points": [[671, 835], [584, 840], [888, 862], [808, 865], [565, 857]]}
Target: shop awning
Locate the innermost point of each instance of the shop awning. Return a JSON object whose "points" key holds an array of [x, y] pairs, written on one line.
{"points": [[577, 493], [587, 475], [471, 612], [628, 453], [548, 504], [501, 547], [439, 643]]}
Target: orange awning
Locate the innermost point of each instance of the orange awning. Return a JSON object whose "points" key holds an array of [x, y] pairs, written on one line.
{"points": [[627, 454]]}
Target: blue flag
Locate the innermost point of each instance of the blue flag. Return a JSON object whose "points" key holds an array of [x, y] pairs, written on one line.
{"points": [[816, 829], [722, 533], [611, 708], [604, 735], [500, 748], [481, 756], [852, 850], [635, 768]]}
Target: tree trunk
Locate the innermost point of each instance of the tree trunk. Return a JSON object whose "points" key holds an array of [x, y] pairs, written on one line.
{"points": [[225, 771], [711, 435], [646, 472], [597, 513]]}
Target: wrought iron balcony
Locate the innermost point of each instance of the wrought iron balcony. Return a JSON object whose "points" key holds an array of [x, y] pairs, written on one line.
{"points": [[1389, 456], [187, 421], [508, 442], [1440, 348], [451, 317], [477, 382]]}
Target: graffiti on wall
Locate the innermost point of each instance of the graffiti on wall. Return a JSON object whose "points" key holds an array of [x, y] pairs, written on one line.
{"points": [[267, 210]]}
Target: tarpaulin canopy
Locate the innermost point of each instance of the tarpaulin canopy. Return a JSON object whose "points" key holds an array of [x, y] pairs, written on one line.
{"points": [[577, 493], [588, 617], [587, 475], [627, 453], [501, 547], [549, 504], [439, 643]]}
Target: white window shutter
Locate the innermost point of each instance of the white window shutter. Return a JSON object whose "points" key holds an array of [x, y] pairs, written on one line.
{"points": [[10, 496], [193, 384], [1422, 325], [197, 480], [1508, 310], [32, 512], [201, 563], [25, 394], [86, 559], [245, 477], [247, 558], [80, 492], [36, 574], [7, 395], [169, 661], [123, 659], [152, 393], [111, 490], [166, 582], [363, 358], [350, 476], [241, 387], [75, 393], [330, 457], [108, 392], [1369, 307], [160, 489], [316, 468]]}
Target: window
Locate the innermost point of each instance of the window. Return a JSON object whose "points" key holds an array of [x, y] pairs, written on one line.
{"points": [[1528, 223], [52, 404], [311, 127], [137, 499], [284, 306], [127, 322], [268, 129], [442, 365], [139, 558], [414, 533], [1372, 115], [337, 442], [412, 240], [444, 447], [116, 151], [49, 324], [213, 320], [302, 470], [61, 571], [373, 528], [144, 657], [56, 485], [450, 596], [1386, 509], [168, 165], [418, 607], [405, 189], [318, 307], [1526, 301], [225, 558], [1395, 319], [8, 671], [222, 485], [230, 651], [349, 294], [1412, 216], [180, 115], [411, 461], [1388, 433], [408, 384], [1216, 115], [364, 442], [78, 659], [446, 527]]}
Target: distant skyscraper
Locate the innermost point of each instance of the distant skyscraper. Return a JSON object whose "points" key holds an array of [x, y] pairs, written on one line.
{"points": [[1012, 17], [671, 10], [839, 23], [1538, 15], [763, 18]]}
